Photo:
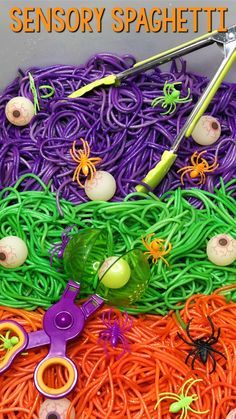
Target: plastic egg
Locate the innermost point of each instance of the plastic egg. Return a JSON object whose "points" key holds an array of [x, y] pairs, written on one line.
{"points": [[19, 111], [114, 272], [56, 409], [221, 249], [13, 252], [207, 131], [231, 414], [101, 188]]}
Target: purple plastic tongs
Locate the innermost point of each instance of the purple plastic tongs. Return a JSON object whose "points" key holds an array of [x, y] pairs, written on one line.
{"points": [[62, 322]]}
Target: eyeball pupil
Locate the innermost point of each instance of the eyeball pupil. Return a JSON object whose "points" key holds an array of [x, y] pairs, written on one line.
{"points": [[16, 114], [2, 256], [53, 416], [223, 242], [214, 125]]}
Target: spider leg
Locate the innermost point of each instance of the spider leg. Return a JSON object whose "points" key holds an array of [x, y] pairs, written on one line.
{"points": [[186, 98], [78, 169], [181, 337], [184, 413], [172, 396], [95, 160], [193, 158], [77, 174], [91, 166], [194, 359], [183, 174], [185, 167], [165, 261], [74, 153], [85, 147], [92, 169], [212, 328], [166, 88], [190, 354], [109, 322], [164, 107], [212, 167], [190, 385], [181, 392], [218, 352], [188, 331], [168, 110], [172, 108], [74, 156], [214, 362], [202, 178], [199, 155], [156, 101], [125, 343], [198, 412]]}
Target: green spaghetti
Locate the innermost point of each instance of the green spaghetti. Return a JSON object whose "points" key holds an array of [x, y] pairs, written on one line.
{"points": [[34, 217]]}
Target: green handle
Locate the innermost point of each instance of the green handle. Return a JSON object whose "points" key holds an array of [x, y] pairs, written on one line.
{"points": [[155, 176], [211, 90], [175, 49]]}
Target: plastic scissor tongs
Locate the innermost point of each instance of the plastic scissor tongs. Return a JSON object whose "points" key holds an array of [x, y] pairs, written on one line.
{"points": [[227, 40], [61, 323]]}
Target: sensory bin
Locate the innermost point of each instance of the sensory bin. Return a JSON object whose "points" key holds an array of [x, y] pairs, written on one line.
{"points": [[164, 344]]}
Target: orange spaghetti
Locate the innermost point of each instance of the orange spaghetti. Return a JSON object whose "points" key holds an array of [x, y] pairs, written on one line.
{"points": [[130, 386]]}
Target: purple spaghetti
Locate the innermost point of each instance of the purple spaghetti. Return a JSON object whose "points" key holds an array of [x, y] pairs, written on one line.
{"points": [[118, 122]]}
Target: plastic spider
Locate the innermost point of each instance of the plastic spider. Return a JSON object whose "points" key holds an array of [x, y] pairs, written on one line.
{"points": [[7, 342], [182, 400], [115, 331], [202, 347], [199, 167], [170, 98], [156, 248], [86, 164]]}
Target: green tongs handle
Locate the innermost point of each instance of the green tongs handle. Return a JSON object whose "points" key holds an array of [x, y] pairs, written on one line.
{"points": [[155, 176]]}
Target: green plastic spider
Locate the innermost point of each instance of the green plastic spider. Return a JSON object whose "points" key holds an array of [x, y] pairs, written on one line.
{"points": [[170, 98], [8, 342], [182, 400]]}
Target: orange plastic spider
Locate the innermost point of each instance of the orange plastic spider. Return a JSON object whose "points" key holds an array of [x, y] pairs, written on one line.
{"points": [[199, 167], [86, 164], [156, 248]]}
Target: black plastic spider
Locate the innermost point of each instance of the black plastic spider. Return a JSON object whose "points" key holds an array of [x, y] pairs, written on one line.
{"points": [[203, 347]]}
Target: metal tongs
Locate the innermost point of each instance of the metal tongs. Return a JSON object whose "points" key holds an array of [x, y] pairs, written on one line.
{"points": [[227, 40]]}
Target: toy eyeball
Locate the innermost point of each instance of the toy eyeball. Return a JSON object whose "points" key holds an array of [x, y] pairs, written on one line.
{"points": [[19, 111], [56, 409], [221, 249], [13, 252], [207, 131], [231, 414], [114, 272], [101, 187]]}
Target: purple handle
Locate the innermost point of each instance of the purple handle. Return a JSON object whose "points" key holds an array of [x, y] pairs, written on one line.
{"points": [[62, 322]]}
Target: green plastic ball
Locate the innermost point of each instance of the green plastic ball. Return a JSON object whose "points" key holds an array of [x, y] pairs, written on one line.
{"points": [[114, 272]]}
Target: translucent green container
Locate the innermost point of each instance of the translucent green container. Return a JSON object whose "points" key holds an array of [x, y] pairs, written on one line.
{"points": [[135, 287], [84, 256]]}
